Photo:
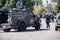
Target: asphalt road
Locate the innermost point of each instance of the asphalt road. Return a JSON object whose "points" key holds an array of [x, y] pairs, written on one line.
{"points": [[31, 34]]}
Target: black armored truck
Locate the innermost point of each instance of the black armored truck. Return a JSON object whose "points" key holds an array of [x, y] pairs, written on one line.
{"points": [[21, 19]]}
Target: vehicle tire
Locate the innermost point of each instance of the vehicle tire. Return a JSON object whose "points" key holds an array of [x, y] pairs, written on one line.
{"points": [[22, 27], [56, 29], [7, 30], [37, 25]]}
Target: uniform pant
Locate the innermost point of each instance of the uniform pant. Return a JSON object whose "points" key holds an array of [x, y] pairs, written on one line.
{"points": [[48, 25]]}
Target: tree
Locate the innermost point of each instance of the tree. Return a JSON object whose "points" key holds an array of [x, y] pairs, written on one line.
{"points": [[38, 9], [10, 3], [28, 4], [57, 7], [7, 3], [1, 3]]}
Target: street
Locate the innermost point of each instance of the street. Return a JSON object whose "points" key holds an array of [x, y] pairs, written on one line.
{"points": [[31, 34], [18, 16]]}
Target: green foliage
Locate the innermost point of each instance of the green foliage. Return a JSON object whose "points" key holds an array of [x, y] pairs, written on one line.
{"points": [[12, 3], [39, 9], [28, 4], [57, 7], [7, 3], [1, 3]]}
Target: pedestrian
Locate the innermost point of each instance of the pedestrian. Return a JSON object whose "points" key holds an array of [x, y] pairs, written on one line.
{"points": [[48, 21], [52, 18]]}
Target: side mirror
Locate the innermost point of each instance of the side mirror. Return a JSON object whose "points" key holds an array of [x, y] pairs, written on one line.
{"points": [[34, 16]]}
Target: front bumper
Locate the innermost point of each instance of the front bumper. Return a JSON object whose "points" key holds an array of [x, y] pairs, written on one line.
{"points": [[5, 25], [57, 25]]}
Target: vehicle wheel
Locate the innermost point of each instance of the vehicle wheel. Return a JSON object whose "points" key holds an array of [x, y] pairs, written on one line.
{"points": [[22, 27], [7, 30], [37, 25], [56, 29]]}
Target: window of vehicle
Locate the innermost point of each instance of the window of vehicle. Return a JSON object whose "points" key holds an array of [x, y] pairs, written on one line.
{"points": [[30, 14], [59, 17]]}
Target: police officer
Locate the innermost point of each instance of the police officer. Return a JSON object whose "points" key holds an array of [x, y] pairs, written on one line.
{"points": [[19, 4], [48, 21]]}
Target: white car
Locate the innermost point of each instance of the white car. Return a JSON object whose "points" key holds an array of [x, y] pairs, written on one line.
{"points": [[57, 22]]}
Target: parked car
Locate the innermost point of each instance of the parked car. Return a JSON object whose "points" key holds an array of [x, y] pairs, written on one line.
{"points": [[57, 22]]}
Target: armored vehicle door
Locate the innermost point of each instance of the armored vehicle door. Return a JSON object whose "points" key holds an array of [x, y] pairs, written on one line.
{"points": [[16, 15], [30, 18]]}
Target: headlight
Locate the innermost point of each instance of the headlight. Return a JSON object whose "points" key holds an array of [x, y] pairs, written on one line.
{"points": [[4, 27]]}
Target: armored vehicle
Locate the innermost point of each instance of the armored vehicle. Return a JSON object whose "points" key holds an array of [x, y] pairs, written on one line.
{"points": [[21, 19]]}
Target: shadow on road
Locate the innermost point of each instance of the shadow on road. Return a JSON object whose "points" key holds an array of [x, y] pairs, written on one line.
{"points": [[28, 30], [33, 30]]}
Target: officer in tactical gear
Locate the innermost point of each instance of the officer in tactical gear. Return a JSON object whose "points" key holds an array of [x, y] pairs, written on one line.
{"points": [[19, 4]]}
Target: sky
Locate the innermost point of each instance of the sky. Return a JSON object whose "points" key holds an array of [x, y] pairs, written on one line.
{"points": [[44, 2]]}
